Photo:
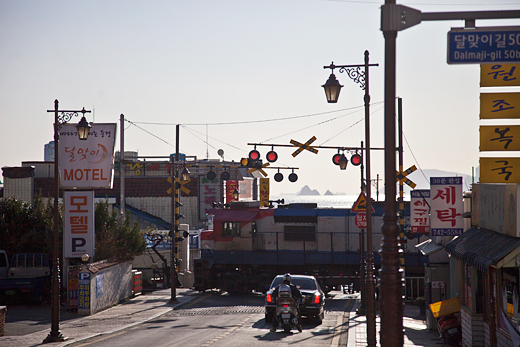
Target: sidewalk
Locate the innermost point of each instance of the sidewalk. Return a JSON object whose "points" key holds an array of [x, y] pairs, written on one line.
{"points": [[132, 312], [415, 330]]}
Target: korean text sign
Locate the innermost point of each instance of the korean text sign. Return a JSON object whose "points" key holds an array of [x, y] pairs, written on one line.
{"points": [[264, 191], [447, 206], [87, 163], [499, 75], [420, 214], [499, 138], [84, 290], [78, 234], [483, 45], [500, 105], [500, 170], [210, 191]]}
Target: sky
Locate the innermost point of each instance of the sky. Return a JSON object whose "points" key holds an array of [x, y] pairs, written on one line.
{"points": [[234, 72]]}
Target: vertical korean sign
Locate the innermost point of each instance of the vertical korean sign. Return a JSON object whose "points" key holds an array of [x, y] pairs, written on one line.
{"points": [[500, 138], [231, 185], [84, 291], [210, 191], [87, 163], [420, 214], [446, 206], [78, 237], [264, 191]]}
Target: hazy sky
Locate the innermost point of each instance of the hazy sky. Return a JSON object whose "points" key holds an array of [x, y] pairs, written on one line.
{"points": [[237, 72]]}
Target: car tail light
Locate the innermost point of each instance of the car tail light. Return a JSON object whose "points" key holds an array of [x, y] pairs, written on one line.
{"points": [[285, 305], [316, 299], [268, 298]]}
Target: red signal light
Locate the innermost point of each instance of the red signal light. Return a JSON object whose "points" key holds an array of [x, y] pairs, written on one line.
{"points": [[335, 158], [271, 156], [356, 160], [254, 155]]}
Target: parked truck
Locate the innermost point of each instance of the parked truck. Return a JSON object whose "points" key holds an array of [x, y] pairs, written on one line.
{"points": [[26, 278]]}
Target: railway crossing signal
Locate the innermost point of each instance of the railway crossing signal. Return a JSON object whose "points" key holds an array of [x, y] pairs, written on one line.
{"points": [[401, 176], [254, 165], [303, 146], [179, 185]]}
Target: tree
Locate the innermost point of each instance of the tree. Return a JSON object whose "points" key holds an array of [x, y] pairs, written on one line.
{"points": [[26, 228], [113, 240]]}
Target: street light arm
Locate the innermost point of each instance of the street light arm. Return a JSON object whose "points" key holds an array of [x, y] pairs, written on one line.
{"points": [[354, 72]]}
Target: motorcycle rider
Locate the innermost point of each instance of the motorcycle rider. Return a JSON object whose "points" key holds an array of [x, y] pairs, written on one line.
{"points": [[295, 293]]}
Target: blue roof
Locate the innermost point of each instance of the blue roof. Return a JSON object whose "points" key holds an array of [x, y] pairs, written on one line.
{"points": [[333, 212]]}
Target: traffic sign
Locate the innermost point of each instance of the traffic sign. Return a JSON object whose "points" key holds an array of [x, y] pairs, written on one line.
{"points": [[361, 220], [361, 204], [303, 146], [401, 176], [484, 45]]}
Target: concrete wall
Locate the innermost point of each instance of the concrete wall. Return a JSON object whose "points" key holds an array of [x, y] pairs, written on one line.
{"points": [[108, 286]]}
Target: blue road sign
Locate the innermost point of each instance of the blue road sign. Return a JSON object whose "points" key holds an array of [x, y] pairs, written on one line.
{"points": [[484, 45]]}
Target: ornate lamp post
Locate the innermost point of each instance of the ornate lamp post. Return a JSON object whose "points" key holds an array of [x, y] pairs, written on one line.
{"points": [[60, 117], [332, 89]]}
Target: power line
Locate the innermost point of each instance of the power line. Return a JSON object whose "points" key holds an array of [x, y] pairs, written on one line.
{"points": [[261, 121]]}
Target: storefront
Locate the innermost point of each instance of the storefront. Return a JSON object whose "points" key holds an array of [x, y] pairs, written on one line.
{"points": [[487, 267]]}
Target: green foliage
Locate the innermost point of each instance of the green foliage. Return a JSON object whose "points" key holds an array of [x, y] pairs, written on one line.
{"points": [[26, 228], [115, 241]]}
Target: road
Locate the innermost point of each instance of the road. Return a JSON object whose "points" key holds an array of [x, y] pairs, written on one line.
{"points": [[229, 320]]}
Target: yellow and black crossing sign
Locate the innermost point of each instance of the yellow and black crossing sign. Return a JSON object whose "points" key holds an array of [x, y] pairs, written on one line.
{"points": [[180, 185], [303, 146], [401, 176], [259, 169]]}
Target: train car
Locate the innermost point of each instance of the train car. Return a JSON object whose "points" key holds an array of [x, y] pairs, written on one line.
{"points": [[249, 245]]}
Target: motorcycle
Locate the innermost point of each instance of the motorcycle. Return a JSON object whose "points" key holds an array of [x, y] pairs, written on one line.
{"points": [[287, 312], [450, 330]]}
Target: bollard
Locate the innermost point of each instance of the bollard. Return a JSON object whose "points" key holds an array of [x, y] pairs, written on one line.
{"points": [[3, 309]]}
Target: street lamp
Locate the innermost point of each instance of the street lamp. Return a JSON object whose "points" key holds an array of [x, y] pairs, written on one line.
{"points": [[332, 89], [60, 117], [236, 194]]}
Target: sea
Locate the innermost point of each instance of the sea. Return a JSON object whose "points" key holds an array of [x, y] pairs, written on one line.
{"points": [[323, 201]]}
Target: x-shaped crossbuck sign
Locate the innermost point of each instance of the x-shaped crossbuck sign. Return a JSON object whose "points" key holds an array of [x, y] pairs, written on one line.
{"points": [[401, 176], [303, 146], [261, 169]]}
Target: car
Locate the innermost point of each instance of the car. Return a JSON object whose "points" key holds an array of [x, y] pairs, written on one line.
{"points": [[311, 291]]}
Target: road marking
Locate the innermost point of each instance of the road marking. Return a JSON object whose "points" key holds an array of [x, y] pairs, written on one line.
{"points": [[337, 330], [202, 297], [227, 332], [100, 339]]}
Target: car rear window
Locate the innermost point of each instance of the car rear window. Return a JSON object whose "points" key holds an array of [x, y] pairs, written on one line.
{"points": [[299, 282]]}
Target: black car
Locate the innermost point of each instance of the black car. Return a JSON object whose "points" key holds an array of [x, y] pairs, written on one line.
{"points": [[311, 291]]}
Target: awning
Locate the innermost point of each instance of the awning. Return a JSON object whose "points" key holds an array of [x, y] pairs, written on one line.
{"points": [[428, 247], [222, 215], [296, 215], [482, 248]]}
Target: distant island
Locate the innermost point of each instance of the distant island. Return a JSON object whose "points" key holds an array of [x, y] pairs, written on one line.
{"points": [[328, 192], [308, 191]]}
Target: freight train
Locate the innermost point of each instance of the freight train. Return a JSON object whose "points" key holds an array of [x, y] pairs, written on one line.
{"points": [[249, 245]]}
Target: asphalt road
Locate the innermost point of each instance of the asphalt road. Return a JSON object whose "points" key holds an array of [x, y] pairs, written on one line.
{"points": [[228, 320], [25, 319]]}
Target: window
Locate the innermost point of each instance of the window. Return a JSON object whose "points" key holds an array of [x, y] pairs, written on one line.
{"points": [[300, 233], [230, 229]]}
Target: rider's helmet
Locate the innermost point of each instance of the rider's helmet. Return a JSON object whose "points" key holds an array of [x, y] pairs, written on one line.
{"points": [[286, 279]]}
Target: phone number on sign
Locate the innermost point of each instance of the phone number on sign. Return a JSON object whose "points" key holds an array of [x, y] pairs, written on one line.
{"points": [[446, 232]]}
